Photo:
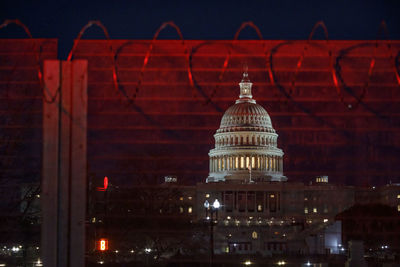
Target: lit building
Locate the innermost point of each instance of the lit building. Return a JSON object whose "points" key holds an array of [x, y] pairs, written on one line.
{"points": [[261, 212], [246, 143]]}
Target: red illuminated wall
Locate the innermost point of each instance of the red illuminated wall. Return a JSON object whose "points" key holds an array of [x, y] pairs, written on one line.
{"points": [[21, 108], [159, 122]]}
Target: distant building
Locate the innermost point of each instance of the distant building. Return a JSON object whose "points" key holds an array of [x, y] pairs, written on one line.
{"points": [[246, 143], [261, 213], [378, 225]]}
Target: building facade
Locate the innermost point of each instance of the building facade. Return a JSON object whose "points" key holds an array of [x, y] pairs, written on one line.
{"points": [[246, 143], [261, 212]]}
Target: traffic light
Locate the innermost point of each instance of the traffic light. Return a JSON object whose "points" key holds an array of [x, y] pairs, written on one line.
{"points": [[102, 244], [105, 182]]}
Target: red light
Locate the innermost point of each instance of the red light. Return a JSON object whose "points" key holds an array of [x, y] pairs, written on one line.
{"points": [[105, 182], [102, 244]]}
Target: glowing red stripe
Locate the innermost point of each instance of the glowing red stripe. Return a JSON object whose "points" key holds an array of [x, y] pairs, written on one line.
{"points": [[105, 182], [148, 54], [227, 58], [398, 77], [28, 32]]}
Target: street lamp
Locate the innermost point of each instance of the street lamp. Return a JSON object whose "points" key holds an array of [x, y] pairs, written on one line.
{"points": [[212, 216]]}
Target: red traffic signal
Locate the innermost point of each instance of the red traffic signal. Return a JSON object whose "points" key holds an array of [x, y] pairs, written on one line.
{"points": [[102, 244]]}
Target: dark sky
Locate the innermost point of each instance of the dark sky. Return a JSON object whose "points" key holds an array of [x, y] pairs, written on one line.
{"points": [[127, 19]]}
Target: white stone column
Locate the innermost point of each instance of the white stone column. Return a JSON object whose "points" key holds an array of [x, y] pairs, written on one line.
{"points": [[225, 161], [273, 164], [263, 165]]}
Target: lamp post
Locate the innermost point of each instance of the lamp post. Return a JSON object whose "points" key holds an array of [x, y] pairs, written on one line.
{"points": [[212, 216]]}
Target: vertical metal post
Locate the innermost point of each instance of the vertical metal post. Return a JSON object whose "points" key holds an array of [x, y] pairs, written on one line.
{"points": [[211, 240], [64, 163], [49, 201], [78, 163], [64, 174]]}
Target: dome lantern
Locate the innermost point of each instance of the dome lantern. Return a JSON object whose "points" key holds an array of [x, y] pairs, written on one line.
{"points": [[245, 89]]}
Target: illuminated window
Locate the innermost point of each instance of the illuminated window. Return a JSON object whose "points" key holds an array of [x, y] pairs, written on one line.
{"points": [[253, 162], [189, 197], [272, 196], [398, 207], [181, 209], [398, 196], [305, 210], [305, 198], [241, 162], [247, 162], [254, 235], [236, 162], [181, 198], [207, 195], [314, 210], [259, 208], [190, 209], [325, 208]]}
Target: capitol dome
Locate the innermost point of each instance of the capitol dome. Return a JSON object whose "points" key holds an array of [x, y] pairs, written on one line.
{"points": [[245, 114], [246, 143]]}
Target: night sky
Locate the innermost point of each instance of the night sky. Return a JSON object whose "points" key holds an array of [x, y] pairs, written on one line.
{"points": [[201, 19], [207, 20]]}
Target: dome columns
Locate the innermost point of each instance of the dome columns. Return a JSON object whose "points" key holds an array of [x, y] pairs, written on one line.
{"points": [[242, 161], [245, 138]]}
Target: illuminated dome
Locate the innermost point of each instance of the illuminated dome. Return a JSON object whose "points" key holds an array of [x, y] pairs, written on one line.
{"points": [[246, 143], [245, 114]]}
